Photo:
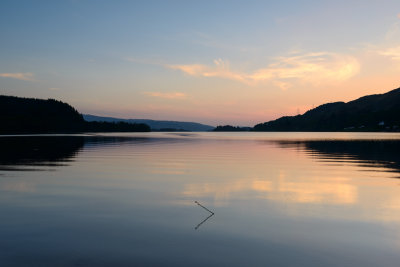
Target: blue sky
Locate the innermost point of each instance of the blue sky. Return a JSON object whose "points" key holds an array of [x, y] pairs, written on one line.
{"points": [[216, 62]]}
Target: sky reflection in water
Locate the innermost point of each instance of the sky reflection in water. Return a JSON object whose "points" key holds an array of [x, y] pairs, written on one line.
{"points": [[293, 199]]}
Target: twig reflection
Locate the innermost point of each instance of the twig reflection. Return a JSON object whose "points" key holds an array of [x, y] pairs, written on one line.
{"points": [[203, 221]]}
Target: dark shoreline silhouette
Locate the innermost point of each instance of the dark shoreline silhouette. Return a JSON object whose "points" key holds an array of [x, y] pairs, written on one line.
{"points": [[380, 112], [31, 116], [229, 128]]}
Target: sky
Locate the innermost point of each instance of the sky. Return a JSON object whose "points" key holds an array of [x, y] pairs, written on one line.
{"points": [[213, 62]]}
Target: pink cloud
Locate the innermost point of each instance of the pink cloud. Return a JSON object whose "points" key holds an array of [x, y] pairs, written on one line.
{"points": [[27, 76], [173, 95], [308, 67]]}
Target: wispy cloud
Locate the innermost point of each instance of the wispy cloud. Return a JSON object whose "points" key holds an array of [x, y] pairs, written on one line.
{"points": [[390, 46], [145, 61], [207, 40], [220, 69], [173, 95], [26, 76], [308, 67], [283, 85], [392, 52]]}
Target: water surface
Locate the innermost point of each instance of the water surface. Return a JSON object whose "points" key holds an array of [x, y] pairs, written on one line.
{"points": [[279, 199]]}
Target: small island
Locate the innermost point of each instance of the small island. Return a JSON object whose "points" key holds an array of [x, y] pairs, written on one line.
{"points": [[230, 128]]}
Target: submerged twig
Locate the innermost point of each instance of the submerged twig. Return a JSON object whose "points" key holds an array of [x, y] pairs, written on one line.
{"points": [[204, 207], [212, 214]]}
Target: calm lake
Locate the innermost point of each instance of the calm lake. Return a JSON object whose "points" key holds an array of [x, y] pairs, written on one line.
{"points": [[274, 199]]}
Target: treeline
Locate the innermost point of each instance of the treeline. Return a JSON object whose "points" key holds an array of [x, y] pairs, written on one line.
{"points": [[96, 126], [28, 115], [230, 128], [379, 112]]}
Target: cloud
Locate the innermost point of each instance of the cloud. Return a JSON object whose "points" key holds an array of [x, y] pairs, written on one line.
{"points": [[27, 76], [145, 61], [173, 95], [54, 89], [206, 40], [393, 33], [283, 85], [398, 15], [309, 67], [393, 53], [220, 69]]}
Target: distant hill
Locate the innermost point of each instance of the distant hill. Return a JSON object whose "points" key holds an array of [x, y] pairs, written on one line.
{"points": [[380, 112], [29, 115], [156, 125]]}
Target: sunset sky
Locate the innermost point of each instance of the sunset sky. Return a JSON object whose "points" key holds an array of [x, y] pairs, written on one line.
{"points": [[214, 62]]}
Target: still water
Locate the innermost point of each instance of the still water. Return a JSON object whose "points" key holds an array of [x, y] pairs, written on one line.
{"points": [[274, 199]]}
